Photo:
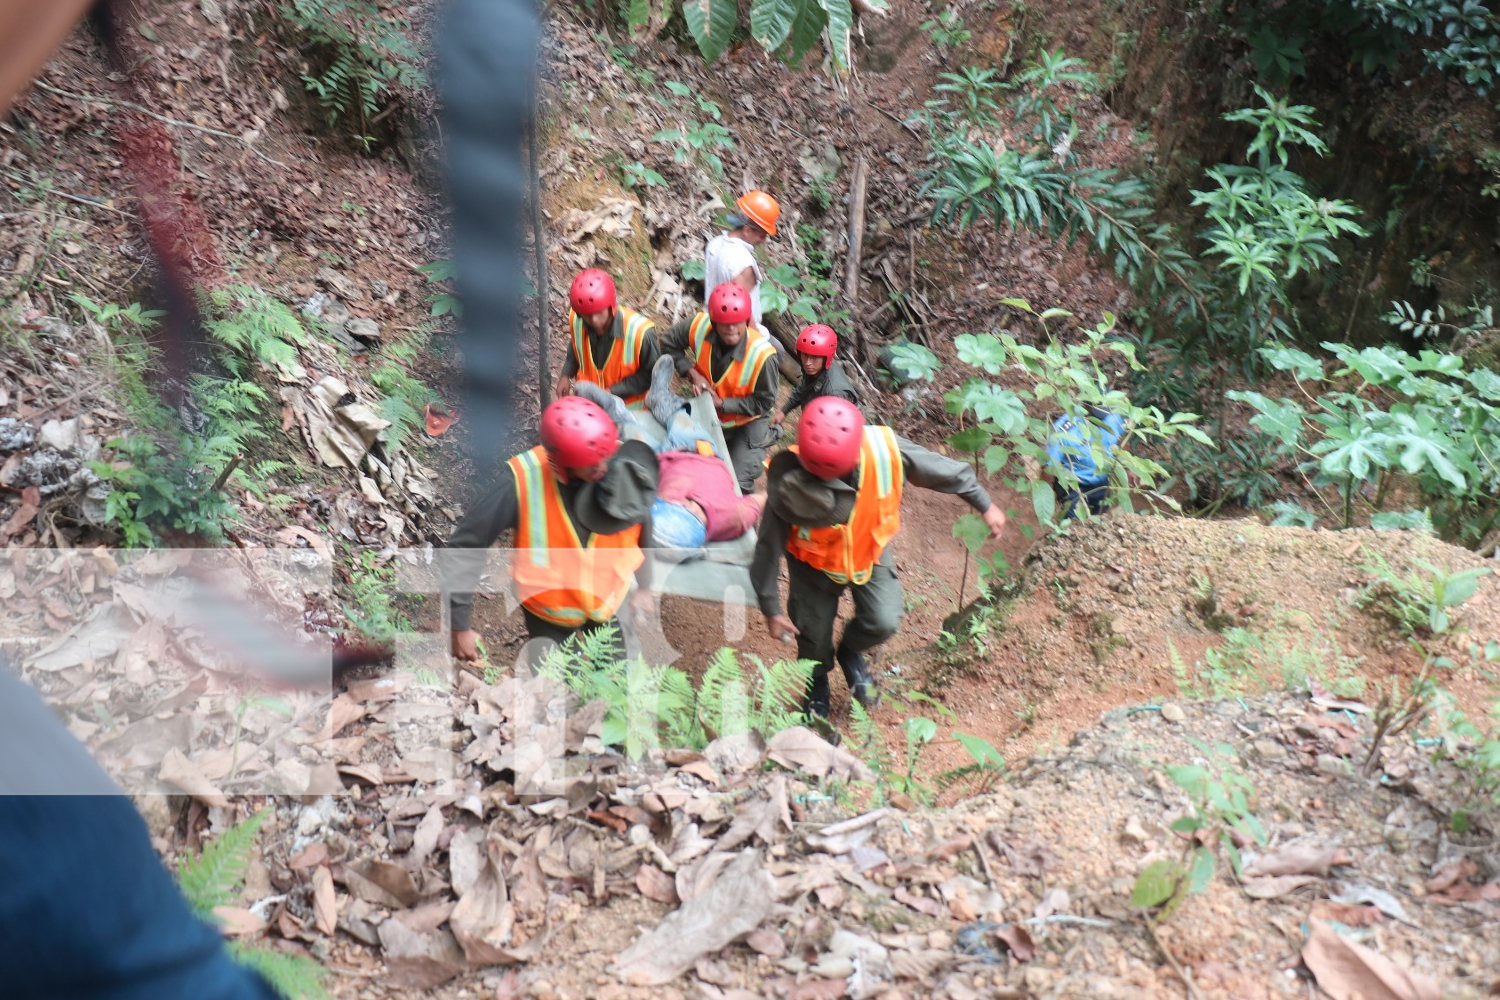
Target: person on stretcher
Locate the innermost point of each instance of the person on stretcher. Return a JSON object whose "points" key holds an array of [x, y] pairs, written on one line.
{"points": [[697, 500]]}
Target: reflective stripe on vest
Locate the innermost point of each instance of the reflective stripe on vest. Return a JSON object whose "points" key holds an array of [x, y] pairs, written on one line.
{"points": [[557, 578], [847, 553], [740, 377], [624, 354]]}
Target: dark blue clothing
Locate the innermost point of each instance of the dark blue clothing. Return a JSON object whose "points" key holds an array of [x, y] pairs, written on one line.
{"points": [[87, 911]]}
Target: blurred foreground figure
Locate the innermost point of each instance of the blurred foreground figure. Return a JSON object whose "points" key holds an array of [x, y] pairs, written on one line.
{"points": [[87, 911]]}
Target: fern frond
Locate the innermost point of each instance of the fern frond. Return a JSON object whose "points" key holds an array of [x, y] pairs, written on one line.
{"points": [[867, 742], [294, 977], [782, 689], [215, 877]]}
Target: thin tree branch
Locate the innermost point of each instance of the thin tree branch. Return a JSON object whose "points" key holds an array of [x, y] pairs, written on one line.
{"points": [[111, 102]]}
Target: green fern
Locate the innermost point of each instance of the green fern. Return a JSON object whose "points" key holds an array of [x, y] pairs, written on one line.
{"points": [[780, 694], [371, 58], [295, 977], [869, 745], [255, 325], [216, 876]]}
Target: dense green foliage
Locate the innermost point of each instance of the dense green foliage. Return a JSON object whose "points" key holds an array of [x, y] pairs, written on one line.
{"points": [[650, 706], [785, 28], [368, 59]]}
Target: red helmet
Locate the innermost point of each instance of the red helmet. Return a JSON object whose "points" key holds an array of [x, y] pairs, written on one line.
{"points": [[829, 436], [578, 433], [818, 340], [593, 291], [729, 303]]}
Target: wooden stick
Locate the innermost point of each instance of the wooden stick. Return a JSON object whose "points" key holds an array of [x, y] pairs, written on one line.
{"points": [[1192, 990], [857, 191], [543, 360], [234, 463], [152, 114]]}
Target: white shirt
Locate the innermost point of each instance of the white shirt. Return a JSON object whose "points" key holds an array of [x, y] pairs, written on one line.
{"points": [[725, 258]]}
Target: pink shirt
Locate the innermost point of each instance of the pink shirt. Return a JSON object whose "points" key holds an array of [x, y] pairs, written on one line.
{"points": [[705, 481]]}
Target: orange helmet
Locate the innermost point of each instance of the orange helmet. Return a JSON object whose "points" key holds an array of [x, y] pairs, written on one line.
{"points": [[760, 208]]}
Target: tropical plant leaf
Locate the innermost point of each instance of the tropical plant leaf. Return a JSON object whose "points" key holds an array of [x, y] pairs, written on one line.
{"points": [[711, 23]]}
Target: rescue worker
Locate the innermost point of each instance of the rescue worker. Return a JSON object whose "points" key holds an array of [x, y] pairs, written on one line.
{"points": [[1071, 448], [821, 374], [579, 504], [612, 345], [834, 506], [727, 356], [730, 256]]}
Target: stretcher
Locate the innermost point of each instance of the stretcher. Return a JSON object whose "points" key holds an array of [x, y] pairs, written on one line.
{"points": [[722, 572]]}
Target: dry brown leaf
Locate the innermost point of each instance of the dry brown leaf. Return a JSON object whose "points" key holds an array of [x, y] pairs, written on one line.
{"points": [[831, 897], [919, 964], [343, 711], [735, 904], [178, 771], [484, 919], [702, 769], [1299, 859], [951, 848], [802, 749], [1348, 914], [313, 854], [1018, 941], [236, 921], [378, 689], [428, 917], [1277, 886], [424, 838], [610, 820], [1349, 971], [1451, 873], [656, 885], [819, 989], [289, 536], [392, 884], [766, 942], [325, 902], [922, 904], [31, 498], [509, 987], [418, 961]]}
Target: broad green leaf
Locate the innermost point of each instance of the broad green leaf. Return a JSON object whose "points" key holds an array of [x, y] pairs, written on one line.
{"points": [[711, 23], [914, 362], [1156, 883], [969, 440], [840, 24], [1461, 586], [1018, 304], [1190, 778], [984, 754], [1202, 871], [1043, 502], [1187, 824], [771, 21], [807, 28], [1279, 418], [638, 15], [1289, 359], [981, 350], [1401, 520], [694, 269], [920, 729], [1054, 313], [995, 459], [1486, 383], [972, 531]]}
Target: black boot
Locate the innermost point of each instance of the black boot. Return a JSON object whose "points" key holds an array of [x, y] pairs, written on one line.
{"points": [[857, 674], [816, 702]]}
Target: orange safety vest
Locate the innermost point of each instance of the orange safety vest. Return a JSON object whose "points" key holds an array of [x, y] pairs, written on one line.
{"points": [[848, 552], [557, 578], [740, 377], [624, 355]]}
